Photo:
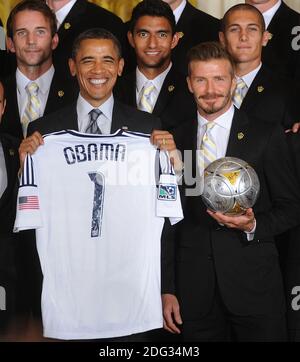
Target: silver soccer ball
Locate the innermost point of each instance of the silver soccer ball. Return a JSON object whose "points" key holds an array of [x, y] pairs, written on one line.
{"points": [[230, 186]]}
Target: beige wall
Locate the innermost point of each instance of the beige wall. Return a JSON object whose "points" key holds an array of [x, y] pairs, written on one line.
{"points": [[218, 7]]}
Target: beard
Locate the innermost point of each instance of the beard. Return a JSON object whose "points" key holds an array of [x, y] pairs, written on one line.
{"points": [[221, 100]]}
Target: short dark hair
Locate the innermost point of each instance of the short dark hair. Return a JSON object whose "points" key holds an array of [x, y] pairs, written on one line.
{"points": [[242, 7], [32, 5], [152, 8], [95, 33], [209, 51]]}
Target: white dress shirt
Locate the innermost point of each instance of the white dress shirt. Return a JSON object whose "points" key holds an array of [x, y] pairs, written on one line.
{"points": [[249, 78], [3, 172], [268, 15], [158, 82], [44, 83], [179, 10], [104, 120], [62, 13], [220, 134]]}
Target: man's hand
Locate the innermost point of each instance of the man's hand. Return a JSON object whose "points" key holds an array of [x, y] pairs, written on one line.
{"points": [[245, 222], [164, 140], [294, 129], [171, 312], [29, 145]]}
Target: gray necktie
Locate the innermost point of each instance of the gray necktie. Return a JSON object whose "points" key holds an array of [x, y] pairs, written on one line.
{"points": [[93, 126]]}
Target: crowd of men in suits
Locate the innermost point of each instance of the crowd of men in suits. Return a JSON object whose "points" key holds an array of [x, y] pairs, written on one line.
{"points": [[218, 282]]}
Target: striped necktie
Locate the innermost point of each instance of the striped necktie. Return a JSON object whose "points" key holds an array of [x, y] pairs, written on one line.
{"points": [[147, 99], [208, 148], [239, 93], [33, 107], [93, 126]]}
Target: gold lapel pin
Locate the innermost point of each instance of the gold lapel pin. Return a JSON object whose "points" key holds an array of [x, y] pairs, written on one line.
{"points": [[180, 34], [240, 135], [171, 88], [67, 26], [260, 88], [11, 152], [61, 93]]}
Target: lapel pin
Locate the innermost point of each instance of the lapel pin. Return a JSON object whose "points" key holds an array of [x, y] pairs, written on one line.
{"points": [[67, 26], [180, 34], [260, 88], [11, 152], [240, 135], [171, 88], [61, 93]]}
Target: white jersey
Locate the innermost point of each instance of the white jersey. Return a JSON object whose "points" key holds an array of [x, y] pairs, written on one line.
{"points": [[98, 215]]}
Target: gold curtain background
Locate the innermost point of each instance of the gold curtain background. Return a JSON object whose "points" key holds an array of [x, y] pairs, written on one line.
{"points": [[123, 7], [120, 7]]}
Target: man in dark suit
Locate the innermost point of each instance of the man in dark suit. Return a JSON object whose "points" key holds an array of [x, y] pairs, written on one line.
{"points": [[224, 272], [31, 29], [73, 18], [265, 94], [282, 51], [9, 166], [96, 62], [152, 35]]}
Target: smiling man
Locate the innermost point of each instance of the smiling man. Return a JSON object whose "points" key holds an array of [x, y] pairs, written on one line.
{"points": [[155, 86], [31, 31]]}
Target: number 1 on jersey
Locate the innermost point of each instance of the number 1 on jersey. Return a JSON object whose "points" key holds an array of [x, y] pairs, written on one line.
{"points": [[98, 179]]}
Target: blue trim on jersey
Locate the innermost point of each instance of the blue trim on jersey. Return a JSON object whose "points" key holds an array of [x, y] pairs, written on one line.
{"points": [[119, 133], [27, 178]]}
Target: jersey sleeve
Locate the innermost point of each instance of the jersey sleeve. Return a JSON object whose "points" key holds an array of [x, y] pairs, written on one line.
{"points": [[168, 197], [28, 213]]}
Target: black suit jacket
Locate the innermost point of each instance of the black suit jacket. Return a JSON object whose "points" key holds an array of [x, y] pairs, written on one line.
{"points": [[8, 239], [278, 53], [174, 104], [61, 93], [123, 116], [83, 15], [272, 98], [248, 273], [194, 26]]}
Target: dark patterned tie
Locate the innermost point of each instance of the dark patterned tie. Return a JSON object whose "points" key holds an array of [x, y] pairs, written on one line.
{"points": [[93, 126]]}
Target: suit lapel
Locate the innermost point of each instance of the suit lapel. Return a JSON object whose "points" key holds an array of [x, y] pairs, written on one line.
{"points": [[117, 118], [74, 16], [12, 112], [256, 90], [238, 135], [9, 155], [165, 93], [55, 96]]}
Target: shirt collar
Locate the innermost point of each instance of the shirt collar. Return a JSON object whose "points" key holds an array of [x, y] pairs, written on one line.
{"points": [[43, 81], [84, 107], [268, 15], [179, 10], [224, 121], [141, 80], [248, 78], [62, 13]]}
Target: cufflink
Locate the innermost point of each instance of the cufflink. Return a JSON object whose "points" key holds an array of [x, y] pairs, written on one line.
{"points": [[125, 128], [180, 34]]}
